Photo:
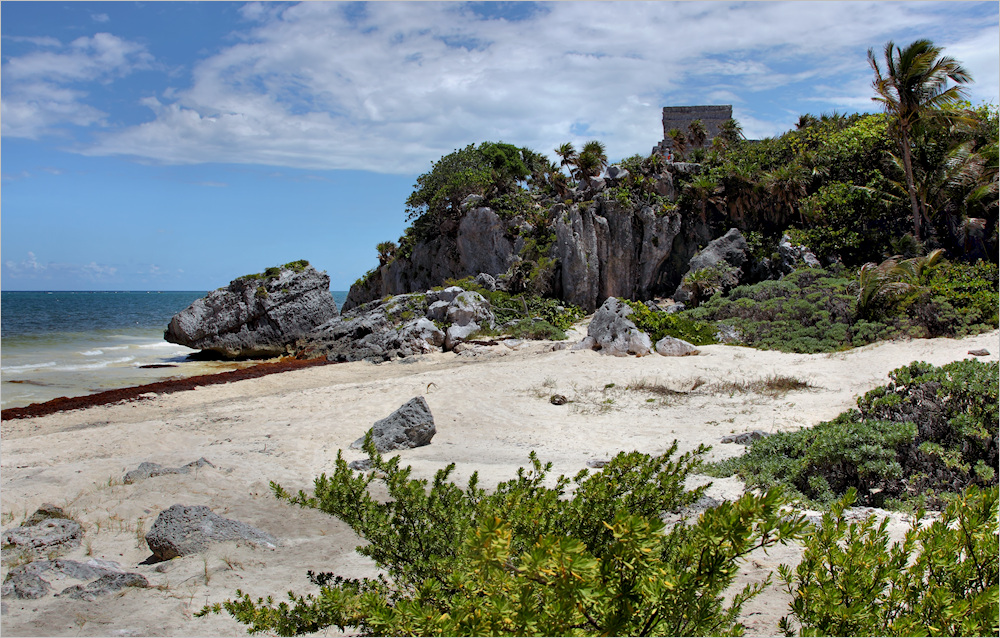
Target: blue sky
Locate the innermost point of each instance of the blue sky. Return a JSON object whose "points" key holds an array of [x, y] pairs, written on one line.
{"points": [[177, 145]]}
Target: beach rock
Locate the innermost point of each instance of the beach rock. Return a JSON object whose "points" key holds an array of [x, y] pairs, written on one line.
{"points": [[46, 511], [360, 465], [422, 331], [672, 347], [982, 352], [27, 582], [745, 438], [614, 333], [457, 334], [46, 535], [104, 585], [470, 307], [558, 399], [597, 463], [148, 470], [181, 530], [412, 425], [256, 316]]}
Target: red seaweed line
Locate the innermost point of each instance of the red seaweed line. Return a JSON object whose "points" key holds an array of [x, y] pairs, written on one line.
{"points": [[160, 387]]}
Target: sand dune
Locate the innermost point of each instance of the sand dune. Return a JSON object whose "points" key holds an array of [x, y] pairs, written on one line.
{"points": [[491, 409]]}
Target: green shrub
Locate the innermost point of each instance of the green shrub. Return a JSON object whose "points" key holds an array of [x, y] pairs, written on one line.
{"points": [[660, 324], [940, 581], [808, 311], [586, 556], [928, 434], [536, 329], [705, 282]]}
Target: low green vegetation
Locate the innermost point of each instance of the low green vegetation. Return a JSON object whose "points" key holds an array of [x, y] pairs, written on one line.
{"points": [[941, 580], [658, 324], [816, 310], [274, 272], [586, 555], [928, 434]]}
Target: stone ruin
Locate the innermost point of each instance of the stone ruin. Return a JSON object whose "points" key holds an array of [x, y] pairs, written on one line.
{"points": [[680, 117]]}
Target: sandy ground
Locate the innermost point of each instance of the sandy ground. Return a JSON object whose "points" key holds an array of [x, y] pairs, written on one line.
{"points": [[491, 409]]}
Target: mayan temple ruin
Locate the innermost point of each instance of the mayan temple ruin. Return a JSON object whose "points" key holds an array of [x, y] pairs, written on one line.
{"points": [[680, 117]]}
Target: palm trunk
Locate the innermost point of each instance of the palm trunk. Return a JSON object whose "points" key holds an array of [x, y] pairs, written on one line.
{"points": [[910, 182]]}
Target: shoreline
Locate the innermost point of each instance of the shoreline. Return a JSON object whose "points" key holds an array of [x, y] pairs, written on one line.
{"points": [[118, 395]]}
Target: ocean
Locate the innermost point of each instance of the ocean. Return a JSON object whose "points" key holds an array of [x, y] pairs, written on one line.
{"points": [[56, 344]]}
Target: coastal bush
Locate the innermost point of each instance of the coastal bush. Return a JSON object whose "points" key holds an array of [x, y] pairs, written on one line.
{"points": [[928, 434], [661, 324], [816, 310], [808, 311], [941, 580], [584, 556]]}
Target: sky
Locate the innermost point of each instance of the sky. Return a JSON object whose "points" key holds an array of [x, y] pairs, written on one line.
{"points": [[179, 145]]}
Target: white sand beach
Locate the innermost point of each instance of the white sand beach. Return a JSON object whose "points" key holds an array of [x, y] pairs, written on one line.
{"points": [[491, 408]]}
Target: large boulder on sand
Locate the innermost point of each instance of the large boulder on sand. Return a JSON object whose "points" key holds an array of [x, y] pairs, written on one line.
{"points": [[612, 332], [256, 315], [412, 425], [181, 530]]}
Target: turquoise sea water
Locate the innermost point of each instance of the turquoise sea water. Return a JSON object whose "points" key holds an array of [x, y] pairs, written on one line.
{"points": [[55, 344]]}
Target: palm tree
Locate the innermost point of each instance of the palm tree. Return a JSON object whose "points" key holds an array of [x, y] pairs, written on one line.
{"points": [[678, 142], [587, 165], [730, 132], [596, 148], [697, 134], [704, 190], [786, 185], [915, 87], [567, 154]]}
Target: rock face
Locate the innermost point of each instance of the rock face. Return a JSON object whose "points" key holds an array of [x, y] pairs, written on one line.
{"points": [[412, 425], [603, 248], [731, 249], [606, 249], [256, 316], [612, 332], [181, 530], [481, 243]]}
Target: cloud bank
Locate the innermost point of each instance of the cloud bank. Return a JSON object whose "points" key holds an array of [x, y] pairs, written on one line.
{"points": [[389, 87]]}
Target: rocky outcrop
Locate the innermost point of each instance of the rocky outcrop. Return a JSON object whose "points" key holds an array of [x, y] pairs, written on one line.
{"points": [[401, 326], [481, 242], [257, 315], [412, 425], [181, 530], [730, 249], [608, 249]]}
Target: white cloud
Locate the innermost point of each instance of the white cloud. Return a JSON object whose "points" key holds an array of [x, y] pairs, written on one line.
{"points": [[100, 17], [43, 89], [32, 269], [390, 87]]}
